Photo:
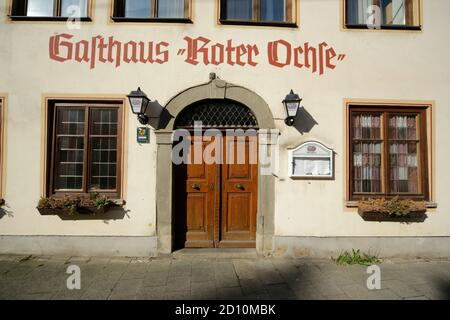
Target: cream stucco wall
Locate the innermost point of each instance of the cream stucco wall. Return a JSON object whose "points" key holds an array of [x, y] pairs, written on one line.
{"points": [[379, 65]]}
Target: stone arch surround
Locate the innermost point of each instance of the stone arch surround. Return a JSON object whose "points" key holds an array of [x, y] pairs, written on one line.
{"points": [[214, 89]]}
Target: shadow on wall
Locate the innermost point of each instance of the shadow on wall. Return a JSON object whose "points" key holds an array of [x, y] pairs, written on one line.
{"points": [[443, 288], [5, 211], [156, 113], [304, 122]]}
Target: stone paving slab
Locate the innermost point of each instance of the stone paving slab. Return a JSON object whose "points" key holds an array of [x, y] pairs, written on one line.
{"points": [[218, 276]]}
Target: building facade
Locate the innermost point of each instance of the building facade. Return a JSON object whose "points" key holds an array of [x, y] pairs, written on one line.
{"points": [[373, 123]]}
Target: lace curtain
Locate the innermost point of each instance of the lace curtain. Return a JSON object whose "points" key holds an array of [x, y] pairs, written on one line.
{"points": [[170, 8]]}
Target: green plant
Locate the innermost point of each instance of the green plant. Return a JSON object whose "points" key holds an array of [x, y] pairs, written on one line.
{"points": [[356, 257], [394, 206], [70, 204], [101, 202]]}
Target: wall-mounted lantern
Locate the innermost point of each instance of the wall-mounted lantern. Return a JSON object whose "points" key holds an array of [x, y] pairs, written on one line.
{"points": [[139, 103], [291, 103]]}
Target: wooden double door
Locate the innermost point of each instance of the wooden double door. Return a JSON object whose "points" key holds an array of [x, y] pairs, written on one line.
{"points": [[215, 198]]}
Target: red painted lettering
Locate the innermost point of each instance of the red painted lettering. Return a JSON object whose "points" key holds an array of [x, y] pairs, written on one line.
{"points": [[55, 45], [163, 52], [82, 51], [129, 52], [273, 52], [194, 49]]}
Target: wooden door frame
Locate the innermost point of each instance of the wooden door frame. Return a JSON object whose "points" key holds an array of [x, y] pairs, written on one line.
{"points": [[180, 210], [214, 89]]}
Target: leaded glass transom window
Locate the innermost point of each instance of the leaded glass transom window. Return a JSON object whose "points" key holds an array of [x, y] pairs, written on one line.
{"points": [[217, 114]]}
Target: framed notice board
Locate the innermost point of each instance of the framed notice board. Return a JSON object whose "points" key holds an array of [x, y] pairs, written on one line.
{"points": [[311, 160]]}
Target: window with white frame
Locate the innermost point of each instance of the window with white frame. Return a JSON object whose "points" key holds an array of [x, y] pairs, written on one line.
{"points": [[385, 14]]}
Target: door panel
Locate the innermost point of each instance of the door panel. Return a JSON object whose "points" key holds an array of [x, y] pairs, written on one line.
{"points": [[197, 212], [239, 192], [238, 218], [239, 171], [201, 200]]}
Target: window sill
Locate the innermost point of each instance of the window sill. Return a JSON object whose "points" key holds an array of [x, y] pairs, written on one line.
{"points": [[354, 204], [384, 27], [259, 23], [28, 18], [152, 20]]}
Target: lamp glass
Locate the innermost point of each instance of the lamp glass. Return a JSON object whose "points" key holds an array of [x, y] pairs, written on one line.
{"points": [[136, 104], [292, 108]]}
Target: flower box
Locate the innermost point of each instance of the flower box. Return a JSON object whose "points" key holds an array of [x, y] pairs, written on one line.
{"points": [[413, 216], [68, 205], [52, 211], [93, 210], [393, 210], [82, 210]]}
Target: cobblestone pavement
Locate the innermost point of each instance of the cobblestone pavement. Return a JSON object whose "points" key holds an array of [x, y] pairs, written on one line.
{"points": [[216, 277]]}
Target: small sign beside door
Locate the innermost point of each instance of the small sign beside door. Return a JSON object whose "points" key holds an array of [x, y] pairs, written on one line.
{"points": [[143, 135]]}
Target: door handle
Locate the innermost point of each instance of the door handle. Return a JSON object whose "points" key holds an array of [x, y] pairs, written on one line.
{"points": [[196, 186], [239, 186], [211, 187]]}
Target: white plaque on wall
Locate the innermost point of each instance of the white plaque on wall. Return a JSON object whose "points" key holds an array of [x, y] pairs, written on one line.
{"points": [[311, 160]]}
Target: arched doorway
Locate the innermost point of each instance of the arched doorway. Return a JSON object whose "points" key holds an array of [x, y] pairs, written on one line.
{"points": [[216, 90], [216, 186]]}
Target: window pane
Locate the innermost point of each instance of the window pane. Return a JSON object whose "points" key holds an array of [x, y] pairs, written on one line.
{"points": [[171, 8], [367, 126], [357, 11], [403, 154], [69, 149], [403, 127], [138, 8], [74, 8], [239, 10], [367, 154], [393, 11], [40, 8], [104, 122], [103, 164], [272, 10], [367, 167]]}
